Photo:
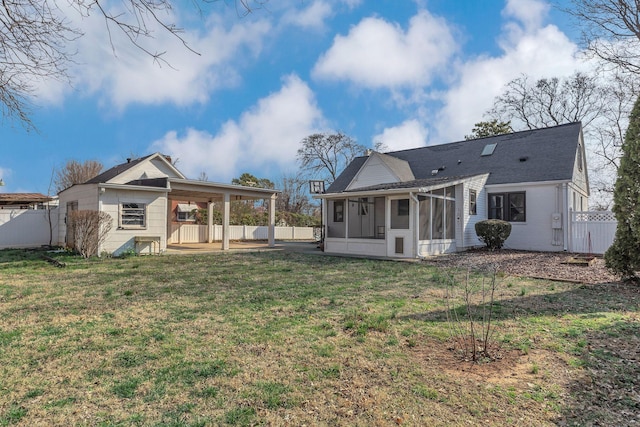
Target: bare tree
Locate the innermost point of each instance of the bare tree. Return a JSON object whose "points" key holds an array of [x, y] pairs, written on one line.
{"points": [[35, 37], [601, 104], [324, 155], [74, 172], [294, 197], [549, 101], [610, 30], [89, 230]]}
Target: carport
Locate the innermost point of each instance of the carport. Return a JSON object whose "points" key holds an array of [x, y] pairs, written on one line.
{"points": [[210, 192]]}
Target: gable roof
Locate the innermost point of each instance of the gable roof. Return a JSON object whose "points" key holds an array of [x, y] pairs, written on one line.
{"points": [[529, 156], [111, 173], [398, 166]]}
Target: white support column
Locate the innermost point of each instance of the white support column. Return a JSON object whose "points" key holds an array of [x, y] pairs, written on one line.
{"points": [[210, 222], [226, 211], [272, 221]]}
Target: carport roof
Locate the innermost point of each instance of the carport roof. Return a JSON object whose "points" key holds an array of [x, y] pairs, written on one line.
{"points": [[204, 191]]}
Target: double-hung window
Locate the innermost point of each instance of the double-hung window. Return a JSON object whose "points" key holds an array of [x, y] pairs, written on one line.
{"points": [[133, 215], [508, 206], [473, 202]]}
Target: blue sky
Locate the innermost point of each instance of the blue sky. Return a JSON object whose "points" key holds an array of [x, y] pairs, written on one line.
{"points": [[404, 73]]}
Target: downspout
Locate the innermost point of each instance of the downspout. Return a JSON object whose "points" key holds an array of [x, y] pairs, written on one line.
{"points": [[416, 215], [565, 219]]}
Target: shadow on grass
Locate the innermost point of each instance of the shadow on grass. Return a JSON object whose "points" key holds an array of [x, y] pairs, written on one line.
{"points": [[601, 334]]}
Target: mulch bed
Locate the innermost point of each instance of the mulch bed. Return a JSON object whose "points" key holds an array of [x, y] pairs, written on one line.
{"points": [[542, 265]]}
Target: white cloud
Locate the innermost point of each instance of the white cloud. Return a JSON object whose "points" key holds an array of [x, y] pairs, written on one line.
{"points": [[266, 136], [312, 17], [531, 13], [409, 134], [125, 74], [379, 54], [542, 51]]}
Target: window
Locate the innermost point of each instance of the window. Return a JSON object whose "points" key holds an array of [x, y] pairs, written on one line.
{"points": [[437, 215], [473, 198], [186, 216], [400, 214], [403, 207], [133, 215], [338, 211], [363, 206], [186, 212], [580, 161], [508, 206]]}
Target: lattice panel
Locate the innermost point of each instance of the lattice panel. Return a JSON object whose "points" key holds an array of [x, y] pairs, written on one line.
{"points": [[594, 216]]}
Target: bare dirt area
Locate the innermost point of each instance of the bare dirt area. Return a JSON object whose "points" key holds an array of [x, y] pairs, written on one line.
{"points": [[541, 265]]}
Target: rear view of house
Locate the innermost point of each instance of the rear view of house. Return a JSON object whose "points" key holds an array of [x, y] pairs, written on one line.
{"points": [[142, 197], [426, 201]]}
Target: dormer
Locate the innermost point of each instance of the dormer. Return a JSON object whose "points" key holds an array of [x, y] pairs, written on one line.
{"points": [[381, 169]]}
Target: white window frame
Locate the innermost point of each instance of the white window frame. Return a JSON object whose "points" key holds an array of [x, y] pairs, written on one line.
{"points": [[128, 209], [187, 216]]}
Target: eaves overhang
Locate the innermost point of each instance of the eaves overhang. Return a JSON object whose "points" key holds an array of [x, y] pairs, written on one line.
{"points": [[442, 183]]}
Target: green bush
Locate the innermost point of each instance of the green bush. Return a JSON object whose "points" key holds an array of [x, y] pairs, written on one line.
{"points": [[493, 232]]}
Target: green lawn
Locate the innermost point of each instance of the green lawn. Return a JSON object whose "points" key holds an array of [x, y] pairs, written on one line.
{"points": [[275, 338]]}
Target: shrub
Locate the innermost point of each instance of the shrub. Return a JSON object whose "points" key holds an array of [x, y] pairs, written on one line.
{"points": [[89, 230], [493, 232]]}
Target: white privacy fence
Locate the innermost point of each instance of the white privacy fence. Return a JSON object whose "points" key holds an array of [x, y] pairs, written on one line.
{"points": [[27, 228], [591, 232], [191, 233]]}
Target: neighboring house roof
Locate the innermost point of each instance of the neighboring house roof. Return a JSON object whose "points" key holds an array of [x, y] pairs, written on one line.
{"points": [[529, 156], [22, 198]]}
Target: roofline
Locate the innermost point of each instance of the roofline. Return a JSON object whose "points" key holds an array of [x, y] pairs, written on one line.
{"points": [[394, 191], [164, 158], [231, 187], [132, 187], [530, 183]]}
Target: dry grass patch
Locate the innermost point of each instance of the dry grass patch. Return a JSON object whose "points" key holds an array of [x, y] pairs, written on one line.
{"points": [[292, 339]]}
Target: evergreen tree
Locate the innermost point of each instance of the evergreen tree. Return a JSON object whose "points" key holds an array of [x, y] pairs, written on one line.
{"points": [[623, 257]]}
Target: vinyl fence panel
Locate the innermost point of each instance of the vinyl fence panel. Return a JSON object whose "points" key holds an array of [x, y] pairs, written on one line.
{"points": [[26, 228], [592, 232]]}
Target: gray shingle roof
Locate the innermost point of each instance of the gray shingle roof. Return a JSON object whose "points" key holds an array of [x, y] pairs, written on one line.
{"points": [[530, 156], [115, 171]]}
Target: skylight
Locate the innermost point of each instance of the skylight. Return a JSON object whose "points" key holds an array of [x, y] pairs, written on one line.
{"points": [[488, 149]]}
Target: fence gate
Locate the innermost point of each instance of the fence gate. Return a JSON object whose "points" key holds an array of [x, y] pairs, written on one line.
{"points": [[591, 232]]}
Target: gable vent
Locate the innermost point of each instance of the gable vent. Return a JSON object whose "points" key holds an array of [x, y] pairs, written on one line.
{"points": [[488, 149]]}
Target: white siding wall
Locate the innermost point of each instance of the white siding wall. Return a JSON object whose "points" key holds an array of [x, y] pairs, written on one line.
{"points": [[26, 228], [366, 247], [146, 169], [87, 197], [374, 172], [535, 234], [119, 239], [470, 239]]}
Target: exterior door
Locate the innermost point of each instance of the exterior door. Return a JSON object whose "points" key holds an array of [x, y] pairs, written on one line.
{"points": [[70, 237], [400, 233]]}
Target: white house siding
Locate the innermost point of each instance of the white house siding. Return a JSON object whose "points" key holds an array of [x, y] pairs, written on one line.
{"points": [[373, 172], [121, 239], [87, 197], [536, 233], [145, 170], [365, 247], [470, 239]]}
